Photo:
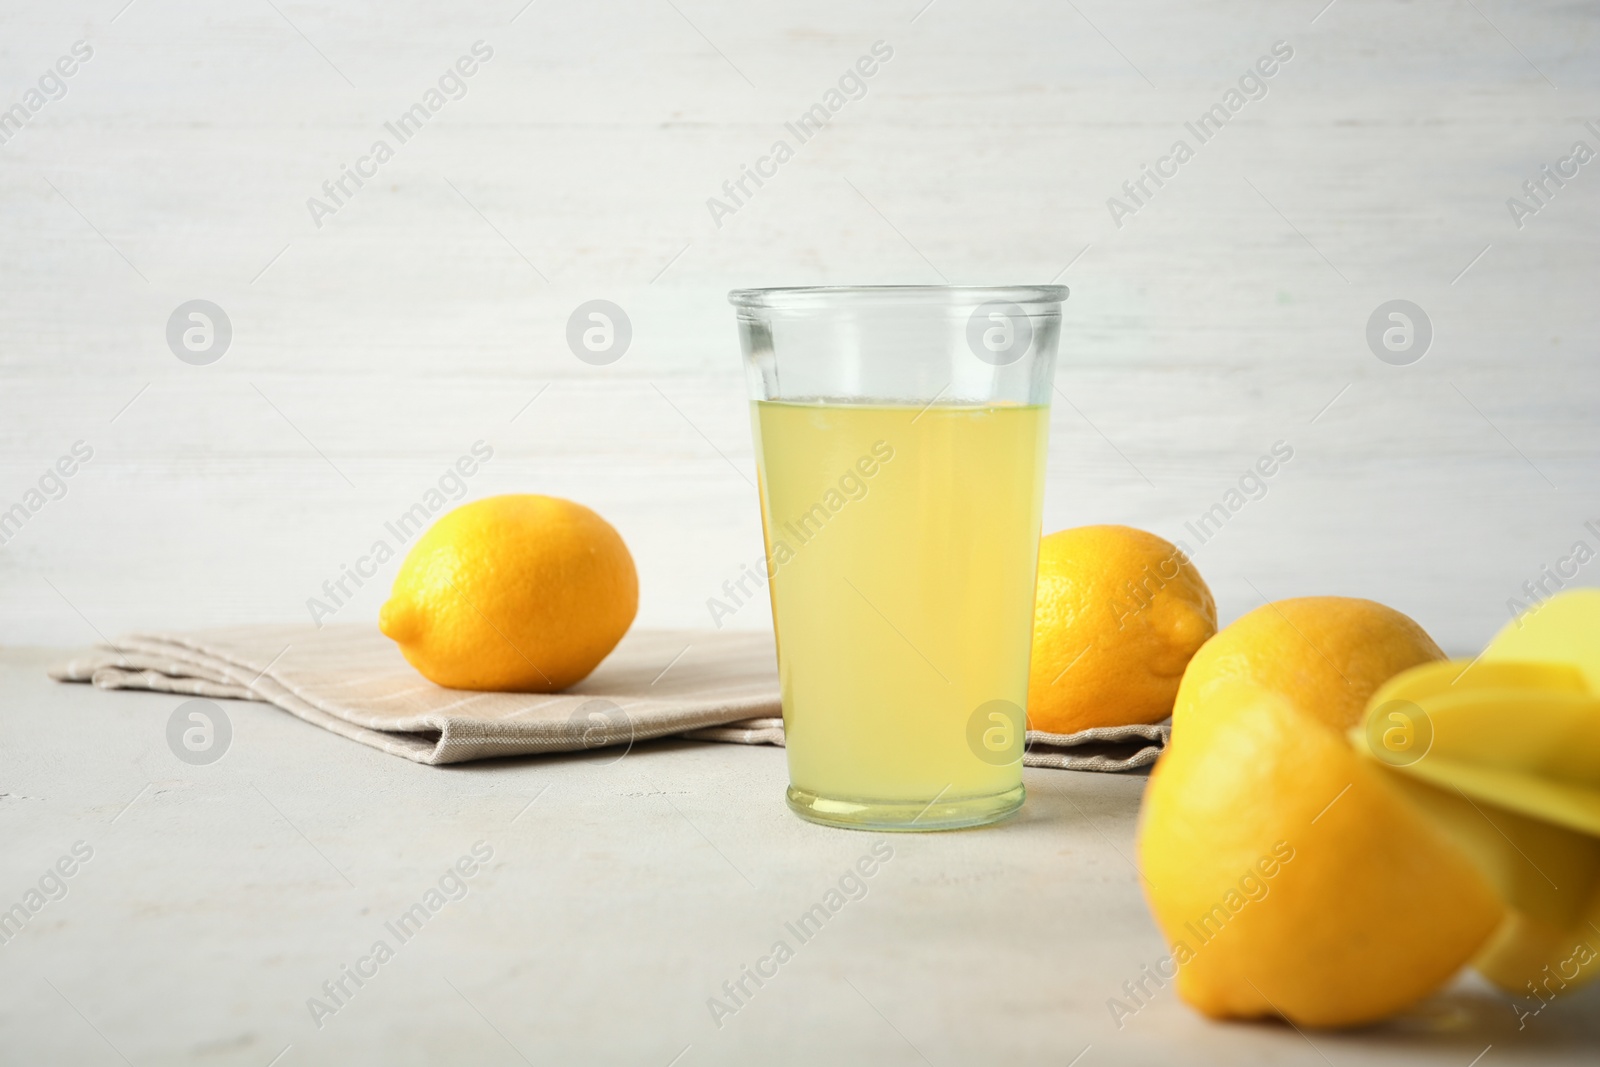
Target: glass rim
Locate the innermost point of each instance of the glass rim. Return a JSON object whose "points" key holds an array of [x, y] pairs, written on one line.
{"points": [[812, 297]]}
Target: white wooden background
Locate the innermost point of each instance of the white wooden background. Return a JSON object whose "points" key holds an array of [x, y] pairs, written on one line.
{"points": [[1226, 315]]}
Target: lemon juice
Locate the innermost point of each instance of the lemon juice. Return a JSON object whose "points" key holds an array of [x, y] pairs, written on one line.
{"points": [[901, 547]]}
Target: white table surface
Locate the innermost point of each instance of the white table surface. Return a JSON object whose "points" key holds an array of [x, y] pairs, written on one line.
{"points": [[1229, 313], [220, 898]]}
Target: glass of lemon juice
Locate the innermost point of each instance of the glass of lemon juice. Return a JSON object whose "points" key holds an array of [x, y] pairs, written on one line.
{"points": [[900, 436]]}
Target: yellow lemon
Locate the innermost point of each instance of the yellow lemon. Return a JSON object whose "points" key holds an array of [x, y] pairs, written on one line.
{"points": [[1117, 614], [1327, 654], [522, 593], [1503, 753], [1536, 961], [1291, 876]]}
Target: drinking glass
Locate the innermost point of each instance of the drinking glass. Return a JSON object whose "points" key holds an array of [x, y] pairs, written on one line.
{"points": [[900, 438]]}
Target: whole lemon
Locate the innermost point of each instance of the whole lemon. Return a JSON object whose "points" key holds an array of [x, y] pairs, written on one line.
{"points": [[1328, 654], [522, 593], [1290, 875], [1117, 614]]}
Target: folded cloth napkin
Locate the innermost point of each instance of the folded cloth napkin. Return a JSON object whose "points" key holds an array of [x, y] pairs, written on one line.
{"points": [[1101, 748], [708, 686]]}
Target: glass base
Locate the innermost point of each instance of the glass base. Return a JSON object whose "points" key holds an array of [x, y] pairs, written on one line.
{"points": [[905, 816]]}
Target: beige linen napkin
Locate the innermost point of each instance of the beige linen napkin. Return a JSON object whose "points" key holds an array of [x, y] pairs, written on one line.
{"points": [[709, 686]]}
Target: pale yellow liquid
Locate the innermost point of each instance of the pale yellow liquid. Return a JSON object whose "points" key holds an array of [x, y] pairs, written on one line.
{"points": [[903, 597]]}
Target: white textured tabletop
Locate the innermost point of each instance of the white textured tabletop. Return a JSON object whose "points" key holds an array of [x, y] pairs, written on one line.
{"points": [[618, 896], [378, 332]]}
